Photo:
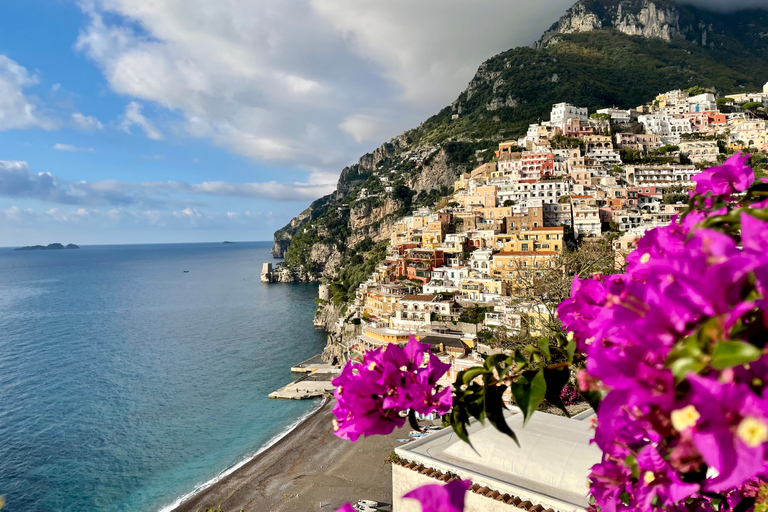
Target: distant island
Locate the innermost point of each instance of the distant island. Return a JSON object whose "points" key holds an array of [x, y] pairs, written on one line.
{"points": [[49, 247], [228, 242]]}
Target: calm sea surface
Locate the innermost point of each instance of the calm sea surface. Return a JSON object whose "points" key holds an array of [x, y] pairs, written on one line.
{"points": [[125, 382]]}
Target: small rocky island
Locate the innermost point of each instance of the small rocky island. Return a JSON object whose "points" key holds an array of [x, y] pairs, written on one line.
{"points": [[49, 247]]}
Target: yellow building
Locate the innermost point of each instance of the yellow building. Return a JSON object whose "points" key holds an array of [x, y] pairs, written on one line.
{"points": [[380, 305], [484, 197], [518, 268], [375, 337], [433, 235], [462, 182], [475, 289], [532, 240]]}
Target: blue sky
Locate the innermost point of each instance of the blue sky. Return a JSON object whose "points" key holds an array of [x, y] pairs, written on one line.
{"points": [[129, 121]]}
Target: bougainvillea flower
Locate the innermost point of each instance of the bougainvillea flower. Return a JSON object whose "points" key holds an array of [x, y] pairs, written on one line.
{"points": [[441, 498], [607, 482], [346, 508], [731, 177], [731, 433], [371, 394], [658, 479]]}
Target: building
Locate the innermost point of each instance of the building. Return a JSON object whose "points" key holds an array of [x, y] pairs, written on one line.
{"points": [[548, 470], [638, 141], [700, 151], [561, 112], [415, 312], [661, 176]]}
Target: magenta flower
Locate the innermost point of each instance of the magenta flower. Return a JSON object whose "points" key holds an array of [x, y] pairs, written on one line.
{"points": [[731, 431], [658, 479], [441, 498], [371, 394], [346, 508], [733, 176]]}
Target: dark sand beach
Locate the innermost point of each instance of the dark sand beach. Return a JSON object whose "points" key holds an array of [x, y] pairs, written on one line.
{"points": [[310, 469]]}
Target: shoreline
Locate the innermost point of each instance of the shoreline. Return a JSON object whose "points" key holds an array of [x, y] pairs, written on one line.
{"points": [[308, 468], [199, 489]]}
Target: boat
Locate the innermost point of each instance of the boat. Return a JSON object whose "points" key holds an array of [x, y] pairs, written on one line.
{"points": [[363, 508], [186, 271], [368, 503]]}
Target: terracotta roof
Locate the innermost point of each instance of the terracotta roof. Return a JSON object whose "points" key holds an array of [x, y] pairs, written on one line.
{"points": [[423, 298], [476, 488], [527, 253]]}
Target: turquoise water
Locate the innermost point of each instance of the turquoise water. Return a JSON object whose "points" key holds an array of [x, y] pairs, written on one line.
{"points": [[125, 382]]}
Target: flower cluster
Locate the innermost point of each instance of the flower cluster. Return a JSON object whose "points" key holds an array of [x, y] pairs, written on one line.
{"points": [[678, 343], [372, 393]]}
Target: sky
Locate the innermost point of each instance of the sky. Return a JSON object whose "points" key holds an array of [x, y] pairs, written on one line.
{"points": [[152, 121]]}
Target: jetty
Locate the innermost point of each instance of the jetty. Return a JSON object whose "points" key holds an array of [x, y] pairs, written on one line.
{"points": [[315, 383]]}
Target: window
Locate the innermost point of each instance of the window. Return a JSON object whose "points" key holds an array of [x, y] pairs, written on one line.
{"points": [[524, 247]]}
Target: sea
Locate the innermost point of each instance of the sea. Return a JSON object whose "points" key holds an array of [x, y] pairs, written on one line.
{"points": [[130, 375]]}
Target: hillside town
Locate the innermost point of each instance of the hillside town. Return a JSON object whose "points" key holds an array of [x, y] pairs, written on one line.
{"points": [[456, 273]]}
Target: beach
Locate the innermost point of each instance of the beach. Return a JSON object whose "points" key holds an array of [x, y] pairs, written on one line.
{"points": [[310, 469]]}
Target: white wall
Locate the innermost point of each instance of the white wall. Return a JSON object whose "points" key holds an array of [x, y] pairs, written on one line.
{"points": [[405, 480]]}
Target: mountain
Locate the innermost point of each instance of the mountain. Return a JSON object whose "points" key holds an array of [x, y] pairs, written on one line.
{"points": [[732, 33], [601, 53]]}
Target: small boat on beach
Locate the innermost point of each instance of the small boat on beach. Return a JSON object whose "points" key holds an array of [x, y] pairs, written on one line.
{"points": [[368, 503]]}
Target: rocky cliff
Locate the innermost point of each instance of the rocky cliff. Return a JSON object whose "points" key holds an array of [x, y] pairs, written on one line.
{"points": [[663, 19]]}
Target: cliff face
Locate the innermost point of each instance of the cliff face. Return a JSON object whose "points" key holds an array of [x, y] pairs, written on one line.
{"points": [[663, 19], [647, 18]]}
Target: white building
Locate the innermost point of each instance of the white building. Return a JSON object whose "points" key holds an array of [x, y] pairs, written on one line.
{"points": [[558, 214], [617, 115], [661, 176], [667, 127], [548, 470], [702, 103], [563, 111]]}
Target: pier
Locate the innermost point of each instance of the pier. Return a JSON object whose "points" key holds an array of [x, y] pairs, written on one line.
{"points": [[316, 382]]}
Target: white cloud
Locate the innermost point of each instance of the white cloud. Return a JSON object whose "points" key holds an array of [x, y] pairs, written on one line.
{"points": [[18, 181], [72, 149], [367, 127], [121, 218], [17, 110], [134, 117], [281, 80], [86, 123]]}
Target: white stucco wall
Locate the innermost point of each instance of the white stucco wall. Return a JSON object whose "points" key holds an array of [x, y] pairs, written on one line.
{"points": [[405, 480]]}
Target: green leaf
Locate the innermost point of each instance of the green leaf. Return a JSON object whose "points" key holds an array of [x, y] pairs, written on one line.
{"points": [[471, 374], [727, 354], [571, 349], [686, 356], [556, 381], [459, 424], [529, 390], [544, 346], [593, 398], [494, 411]]}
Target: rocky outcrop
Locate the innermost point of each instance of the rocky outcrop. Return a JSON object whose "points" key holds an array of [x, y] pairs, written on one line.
{"points": [[279, 247], [437, 172], [647, 18], [329, 255], [329, 317], [283, 274]]}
